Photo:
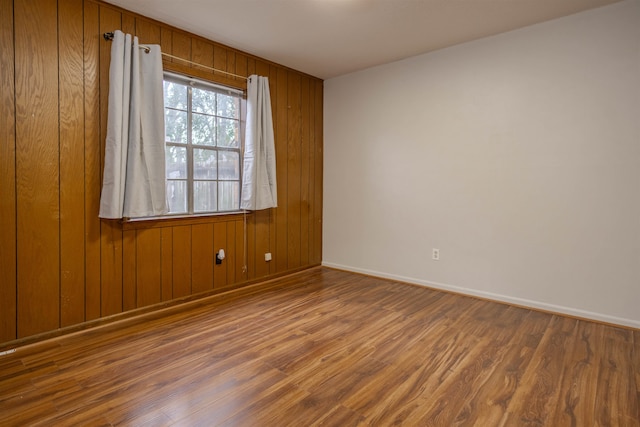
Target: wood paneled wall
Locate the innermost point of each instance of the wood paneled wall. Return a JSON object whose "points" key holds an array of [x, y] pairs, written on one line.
{"points": [[60, 265]]}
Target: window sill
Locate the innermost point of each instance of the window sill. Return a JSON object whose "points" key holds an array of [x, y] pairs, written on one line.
{"points": [[178, 220]]}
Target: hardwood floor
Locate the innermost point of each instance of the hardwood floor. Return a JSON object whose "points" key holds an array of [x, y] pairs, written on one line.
{"points": [[325, 347]]}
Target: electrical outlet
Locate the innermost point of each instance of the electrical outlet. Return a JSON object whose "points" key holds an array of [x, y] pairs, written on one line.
{"points": [[267, 256], [435, 254]]}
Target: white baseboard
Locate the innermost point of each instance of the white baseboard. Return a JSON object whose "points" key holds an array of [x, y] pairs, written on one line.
{"points": [[495, 297]]}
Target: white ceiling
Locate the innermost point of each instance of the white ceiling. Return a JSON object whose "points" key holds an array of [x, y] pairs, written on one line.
{"points": [[327, 38]]}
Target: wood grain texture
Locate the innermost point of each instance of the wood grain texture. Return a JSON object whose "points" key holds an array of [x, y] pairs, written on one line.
{"points": [[149, 267], [318, 156], [59, 260], [241, 265], [166, 262], [8, 242], [231, 266], [129, 271], [273, 77], [294, 123], [220, 242], [92, 160], [37, 166], [202, 53], [281, 130], [305, 145], [326, 347], [250, 243], [181, 258], [71, 163], [129, 24], [148, 32], [181, 46], [203, 257]]}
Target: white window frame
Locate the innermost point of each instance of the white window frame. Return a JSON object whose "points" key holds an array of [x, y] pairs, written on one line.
{"points": [[191, 83]]}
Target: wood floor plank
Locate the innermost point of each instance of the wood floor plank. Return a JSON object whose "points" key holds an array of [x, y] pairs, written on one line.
{"points": [[616, 399], [535, 402], [581, 377], [325, 347], [490, 403]]}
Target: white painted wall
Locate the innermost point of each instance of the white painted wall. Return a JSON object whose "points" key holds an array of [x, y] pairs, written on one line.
{"points": [[518, 156]]}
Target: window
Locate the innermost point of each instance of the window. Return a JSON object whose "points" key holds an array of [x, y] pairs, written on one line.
{"points": [[202, 143]]}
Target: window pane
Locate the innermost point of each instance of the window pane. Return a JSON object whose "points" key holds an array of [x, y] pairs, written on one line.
{"points": [[175, 126], [229, 195], [228, 165], [203, 101], [228, 106], [202, 146], [176, 161], [204, 196], [204, 164], [228, 133], [175, 95], [203, 128], [177, 196]]}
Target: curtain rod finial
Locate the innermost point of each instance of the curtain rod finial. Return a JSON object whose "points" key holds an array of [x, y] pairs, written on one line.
{"points": [[108, 36]]}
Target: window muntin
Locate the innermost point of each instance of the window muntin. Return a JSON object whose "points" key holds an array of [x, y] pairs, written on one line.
{"points": [[203, 148]]}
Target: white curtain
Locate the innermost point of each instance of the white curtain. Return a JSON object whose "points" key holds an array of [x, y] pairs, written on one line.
{"points": [[134, 165], [259, 189]]}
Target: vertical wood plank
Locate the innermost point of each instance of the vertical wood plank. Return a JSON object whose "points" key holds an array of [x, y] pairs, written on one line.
{"points": [[251, 66], [181, 256], [318, 174], [110, 268], [92, 161], [232, 253], [304, 171], [219, 59], [110, 231], [312, 171], [251, 245], [241, 65], [261, 242], [166, 41], [273, 81], [280, 118], [220, 242], [180, 47], [147, 32], [128, 23], [7, 176], [129, 262], [203, 258], [72, 201], [167, 264], [241, 265], [231, 61], [293, 170], [37, 168], [148, 268], [202, 53]]}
